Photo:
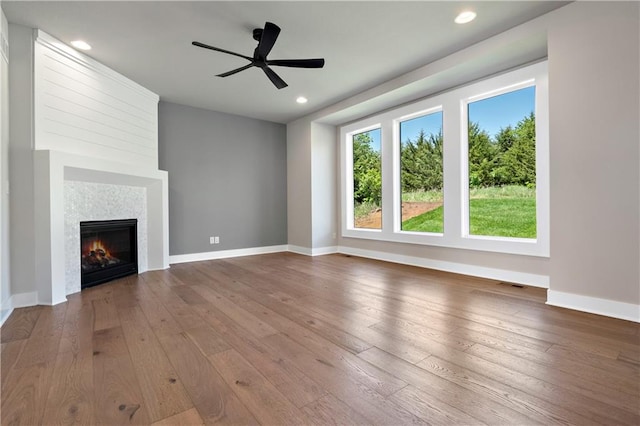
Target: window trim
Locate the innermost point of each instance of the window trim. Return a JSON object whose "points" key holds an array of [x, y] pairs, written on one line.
{"points": [[397, 178], [347, 149], [455, 174]]}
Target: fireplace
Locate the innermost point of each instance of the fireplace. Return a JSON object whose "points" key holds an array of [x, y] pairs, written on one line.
{"points": [[108, 250]]}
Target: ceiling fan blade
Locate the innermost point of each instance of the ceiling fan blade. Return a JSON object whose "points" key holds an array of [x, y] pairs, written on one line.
{"points": [[206, 46], [237, 70], [275, 78], [298, 63], [269, 36]]}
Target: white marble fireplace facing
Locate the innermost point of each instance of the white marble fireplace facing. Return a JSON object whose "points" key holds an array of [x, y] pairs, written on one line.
{"points": [[65, 187], [84, 201]]}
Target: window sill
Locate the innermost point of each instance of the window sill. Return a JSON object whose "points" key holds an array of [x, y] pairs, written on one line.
{"points": [[505, 245]]}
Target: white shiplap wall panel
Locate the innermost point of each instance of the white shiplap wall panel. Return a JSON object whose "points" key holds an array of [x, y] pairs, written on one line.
{"points": [[68, 138], [67, 87], [66, 107], [66, 112], [84, 108], [98, 124], [64, 72]]}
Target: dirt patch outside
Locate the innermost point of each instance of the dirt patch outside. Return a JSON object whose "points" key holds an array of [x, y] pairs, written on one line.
{"points": [[409, 209]]}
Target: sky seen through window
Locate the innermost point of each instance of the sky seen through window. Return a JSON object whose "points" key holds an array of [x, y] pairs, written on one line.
{"points": [[492, 113]]}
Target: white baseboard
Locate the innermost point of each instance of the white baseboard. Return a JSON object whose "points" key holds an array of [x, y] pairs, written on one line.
{"points": [[19, 300], [155, 269], [321, 251], [610, 308], [533, 280], [224, 254], [4, 314], [53, 303], [299, 250], [594, 305]]}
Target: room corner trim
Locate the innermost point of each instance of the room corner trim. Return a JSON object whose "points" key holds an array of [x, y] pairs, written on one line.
{"points": [[321, 251], [4, 314], [19, 300], [306, 251], [224, 254], [594, 305], [157, 269]]}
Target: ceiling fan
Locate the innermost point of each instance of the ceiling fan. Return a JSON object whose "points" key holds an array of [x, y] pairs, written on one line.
{"points": [[266, 38]]}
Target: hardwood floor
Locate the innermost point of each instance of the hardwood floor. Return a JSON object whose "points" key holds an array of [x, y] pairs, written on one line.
{"points": [[287, 339]]}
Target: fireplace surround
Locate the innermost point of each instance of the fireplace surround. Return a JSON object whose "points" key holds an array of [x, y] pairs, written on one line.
{"points": [[56, 174], [90, 201]]}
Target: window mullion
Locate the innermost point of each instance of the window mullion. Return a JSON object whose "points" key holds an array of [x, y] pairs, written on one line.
{"points": [[542, 161], [452, 153], [388, 190]]}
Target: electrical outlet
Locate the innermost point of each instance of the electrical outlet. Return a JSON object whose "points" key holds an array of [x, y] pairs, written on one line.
{"points": [[216, 240], [212, 240]]}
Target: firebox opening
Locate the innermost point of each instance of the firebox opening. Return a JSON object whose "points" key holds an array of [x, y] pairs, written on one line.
{"points": [[108, 250]]}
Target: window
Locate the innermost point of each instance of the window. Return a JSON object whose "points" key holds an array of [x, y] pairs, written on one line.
{"points": [[421, 178], [466, 169], [367, 180], [502, 164]]}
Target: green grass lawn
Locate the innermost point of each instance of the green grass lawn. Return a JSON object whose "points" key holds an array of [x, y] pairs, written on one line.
{"points": [[503, 217], [428, 196], [508, 211], [431, 221]]}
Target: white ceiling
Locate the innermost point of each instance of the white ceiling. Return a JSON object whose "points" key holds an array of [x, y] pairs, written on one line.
{"points": [[364, 43]]}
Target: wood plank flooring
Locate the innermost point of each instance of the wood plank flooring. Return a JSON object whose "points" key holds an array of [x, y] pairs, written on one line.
{"points": [[283, 339]]}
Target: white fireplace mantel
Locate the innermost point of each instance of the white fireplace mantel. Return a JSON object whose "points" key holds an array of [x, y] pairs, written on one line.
{"points": [[90, 125], [52, 168]]}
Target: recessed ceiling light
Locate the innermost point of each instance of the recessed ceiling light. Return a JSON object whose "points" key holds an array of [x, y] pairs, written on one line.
{"points": [[464, 17], [301, 100], [82, 45]]}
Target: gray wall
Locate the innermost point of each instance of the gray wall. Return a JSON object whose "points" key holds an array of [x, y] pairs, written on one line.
{"points": [[299, 184], [594, 105], [311, 160], [21, 172], [324, 180], [227, 178], [5, 279]]}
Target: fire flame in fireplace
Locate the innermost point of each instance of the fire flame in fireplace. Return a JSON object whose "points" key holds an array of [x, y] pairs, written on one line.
{"points": [[95, 255], [97, 247]]}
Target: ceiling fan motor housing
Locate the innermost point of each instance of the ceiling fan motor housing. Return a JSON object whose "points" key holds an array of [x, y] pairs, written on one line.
{"points": [[257, 34], [266, 38]]}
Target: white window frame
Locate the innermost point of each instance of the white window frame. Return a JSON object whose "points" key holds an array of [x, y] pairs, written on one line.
{"points": [[453, 105], [397, 182], [347, 149]]}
